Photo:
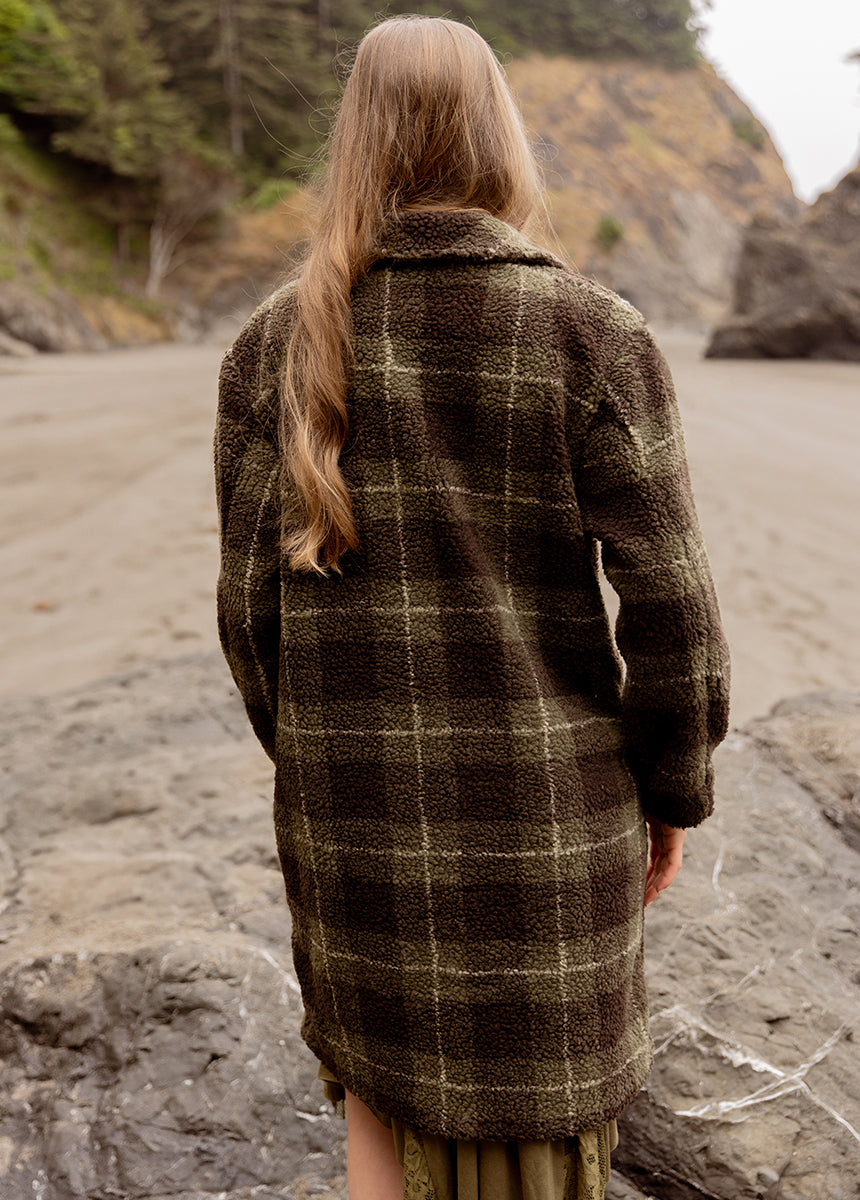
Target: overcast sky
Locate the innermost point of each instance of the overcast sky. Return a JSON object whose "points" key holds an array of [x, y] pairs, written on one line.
{"points": [[785, 58]]}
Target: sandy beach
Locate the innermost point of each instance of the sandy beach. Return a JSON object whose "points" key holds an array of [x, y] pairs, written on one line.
{"points": [[108, 549]]}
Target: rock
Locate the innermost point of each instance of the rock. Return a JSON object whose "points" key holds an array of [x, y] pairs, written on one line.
{"points": [[816, 739], [45, 322], [170, 1067], [14, 347], [31, 321], [797, 285], [678, 192], [149, 1014], [753, 964], [620, 1188]]}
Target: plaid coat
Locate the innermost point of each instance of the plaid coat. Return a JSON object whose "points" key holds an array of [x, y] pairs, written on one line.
{"points": [[460, 770]]}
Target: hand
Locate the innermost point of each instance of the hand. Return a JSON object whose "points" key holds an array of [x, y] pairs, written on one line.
{"points": [[667, 850]]}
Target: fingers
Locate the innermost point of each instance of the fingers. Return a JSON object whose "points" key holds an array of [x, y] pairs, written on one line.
{"points": [[660, 878], [665, 857]]}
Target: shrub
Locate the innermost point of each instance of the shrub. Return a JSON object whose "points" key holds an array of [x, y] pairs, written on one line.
{"points": [[609, 232], [271, 192], [747, 129]]}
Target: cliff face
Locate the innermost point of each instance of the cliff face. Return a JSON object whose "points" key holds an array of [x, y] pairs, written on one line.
{"points": [[652, 175], [797, 286]]}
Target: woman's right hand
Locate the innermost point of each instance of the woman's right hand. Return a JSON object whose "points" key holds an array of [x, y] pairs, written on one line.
{"points": [[666, 853]]}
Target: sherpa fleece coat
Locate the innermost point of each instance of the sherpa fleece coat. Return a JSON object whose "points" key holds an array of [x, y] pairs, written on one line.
{"points": [[461, 769]]}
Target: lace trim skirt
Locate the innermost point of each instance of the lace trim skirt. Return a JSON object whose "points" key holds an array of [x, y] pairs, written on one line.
{"points": [[438, 1168]]}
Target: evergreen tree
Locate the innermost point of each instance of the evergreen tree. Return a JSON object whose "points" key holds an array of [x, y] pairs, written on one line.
{"points": [[39, 69], [168, 101], [124, 83], [85, 68], [250, 68], [660, 30], [15, 15]]}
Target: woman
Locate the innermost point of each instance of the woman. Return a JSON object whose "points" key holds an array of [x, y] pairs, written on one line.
{"points": [[422, 443]]}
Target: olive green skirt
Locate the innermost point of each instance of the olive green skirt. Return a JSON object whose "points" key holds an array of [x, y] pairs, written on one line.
{"points": [[438, 1168]]}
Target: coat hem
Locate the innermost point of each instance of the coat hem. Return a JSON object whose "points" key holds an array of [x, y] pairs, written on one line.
{"points": [[491, 1132]]}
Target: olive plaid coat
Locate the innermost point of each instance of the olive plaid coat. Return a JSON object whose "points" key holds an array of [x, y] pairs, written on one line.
{"points": [[460, 769]]}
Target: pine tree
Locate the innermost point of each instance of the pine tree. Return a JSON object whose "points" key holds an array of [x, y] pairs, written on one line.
{"points": [[660, 30], [15, 15], [85, 68], [40, 71], [251, 68]]}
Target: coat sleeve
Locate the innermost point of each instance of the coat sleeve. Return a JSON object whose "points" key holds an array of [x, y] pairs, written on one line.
{"points": [[247, 484], [636, 499]]}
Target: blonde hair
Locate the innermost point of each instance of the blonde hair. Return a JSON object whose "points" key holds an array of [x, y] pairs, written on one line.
{"points": [[426, 121]]}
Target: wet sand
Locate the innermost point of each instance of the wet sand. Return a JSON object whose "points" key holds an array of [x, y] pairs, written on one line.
{"points": [[108, 547]]}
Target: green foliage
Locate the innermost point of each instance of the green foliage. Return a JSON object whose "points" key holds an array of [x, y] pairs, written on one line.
{"points": [[251, 69], [39, 252], [42, 195], [9, 135], [34, 52], [159, 105], [127, 83], [129, 121], [270, 193], [15, 15], [658, 30], [747, 129], [87, 69], [608, 232]]}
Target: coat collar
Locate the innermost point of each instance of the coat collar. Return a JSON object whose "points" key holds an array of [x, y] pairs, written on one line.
{"points": [[465, 234]]}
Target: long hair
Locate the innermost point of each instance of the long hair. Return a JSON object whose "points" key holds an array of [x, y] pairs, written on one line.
{"points": [[426, 121]]}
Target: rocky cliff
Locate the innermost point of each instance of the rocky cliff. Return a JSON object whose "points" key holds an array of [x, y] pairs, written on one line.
{"points": [[149, 1012], [652, 176], [797, 284]]}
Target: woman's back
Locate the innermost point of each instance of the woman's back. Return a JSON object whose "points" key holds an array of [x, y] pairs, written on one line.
{"points": [[424, 445], [462, 838]]}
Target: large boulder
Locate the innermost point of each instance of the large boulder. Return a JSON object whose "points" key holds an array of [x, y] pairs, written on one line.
{"points": [[753, 959], [797, 284], [816, 739], [50, 321], [149, 1014]]}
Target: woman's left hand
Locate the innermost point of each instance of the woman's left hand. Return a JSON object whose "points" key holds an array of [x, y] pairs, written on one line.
{"points": [[666, 855]]}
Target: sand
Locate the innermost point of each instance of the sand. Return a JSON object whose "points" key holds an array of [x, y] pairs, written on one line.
{"points": [[108, 547]]}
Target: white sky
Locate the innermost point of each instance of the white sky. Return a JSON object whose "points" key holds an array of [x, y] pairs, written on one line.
{"points": [[785, 58]]}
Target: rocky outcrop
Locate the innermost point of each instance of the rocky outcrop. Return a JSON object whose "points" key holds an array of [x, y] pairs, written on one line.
{"points": [[13, 347], [817, 740], [149, 1015], [797, 286], [149, 1027], [651, 204], [33, 318], [45, 322], [754, 978]]}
